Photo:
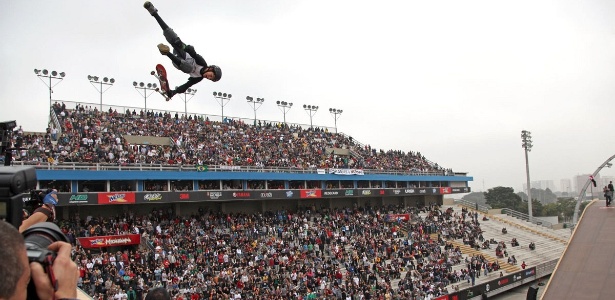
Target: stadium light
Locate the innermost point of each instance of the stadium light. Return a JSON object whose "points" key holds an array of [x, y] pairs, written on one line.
{"points": [[284, 107], [188, 92], [54, 76], [336, 114], [311, 111], [526, 138], [144, 88], [223, 99], [106, 81], [254, 102]]}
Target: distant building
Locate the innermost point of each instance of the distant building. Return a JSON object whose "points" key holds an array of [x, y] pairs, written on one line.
{"points": [[565, 186]]}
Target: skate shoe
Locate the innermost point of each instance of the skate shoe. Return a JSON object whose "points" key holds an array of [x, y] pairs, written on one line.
{"points": [[164, 49], [150, 7]]}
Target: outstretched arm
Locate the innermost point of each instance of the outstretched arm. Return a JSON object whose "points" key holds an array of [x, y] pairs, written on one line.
{"points": [[184, 87]]}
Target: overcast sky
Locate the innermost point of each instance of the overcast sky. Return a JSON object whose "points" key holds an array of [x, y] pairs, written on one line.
{"points": [[455, 80]]}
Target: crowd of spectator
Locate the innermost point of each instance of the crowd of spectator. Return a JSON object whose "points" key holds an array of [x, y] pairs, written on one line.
{"points": [[88, 135], [350, 253]]}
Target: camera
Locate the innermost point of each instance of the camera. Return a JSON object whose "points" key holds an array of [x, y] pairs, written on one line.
{"points": [[15, 182], [37, 238], [16, 190]]}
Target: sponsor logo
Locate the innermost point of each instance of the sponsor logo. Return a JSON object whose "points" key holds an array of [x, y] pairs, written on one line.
{"points": [[465, 189], [153, 197], [456, 190], [530, 272], [214, 195], [118, 241], [516, 277], [422, 191], [349, 193], [396, 192], [97, 242], [311, 194], [366, 193], [117, 198], [241, 195], [445, 190], [78, 199], [434, 191], [266, 195], [289, 194], [331, 193], [381, 192], [184, 196], [503, 281], [410, 191]]}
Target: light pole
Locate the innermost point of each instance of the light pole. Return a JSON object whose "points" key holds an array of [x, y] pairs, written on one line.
{"points": [[223, 99], [336, 114], [526, 138], [254, 102], [145, 88], [188, 92], [106, 81], [54, 75], [284, 107], [311, 111]]}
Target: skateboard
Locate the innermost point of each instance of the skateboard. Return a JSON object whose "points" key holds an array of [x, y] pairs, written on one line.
{"points": [[161, 74]]}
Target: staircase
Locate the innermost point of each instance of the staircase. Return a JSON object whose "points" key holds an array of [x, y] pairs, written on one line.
{"points": [[467, 250]]}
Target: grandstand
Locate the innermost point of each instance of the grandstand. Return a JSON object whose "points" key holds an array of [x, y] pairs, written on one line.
{"points": [[267, 211]]}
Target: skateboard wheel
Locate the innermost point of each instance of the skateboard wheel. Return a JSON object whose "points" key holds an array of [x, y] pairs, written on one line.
{"points": [[153, 73], [157, 89]]}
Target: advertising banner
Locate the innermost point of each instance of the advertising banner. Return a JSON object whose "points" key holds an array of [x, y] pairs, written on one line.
{"points": [[116, 198], [346, 171], [445, 190], [109, 240], [456, 190], [77, 198], [311, 193], [399, 217], [492, 285]]}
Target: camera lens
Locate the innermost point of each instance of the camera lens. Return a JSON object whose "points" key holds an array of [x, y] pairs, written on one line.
{"points": [[41, 235]]}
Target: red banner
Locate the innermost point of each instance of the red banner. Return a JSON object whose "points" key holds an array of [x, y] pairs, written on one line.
{"points": [[401, 217], [311, 194], [445, 190], [116, 198], [109, 241]]}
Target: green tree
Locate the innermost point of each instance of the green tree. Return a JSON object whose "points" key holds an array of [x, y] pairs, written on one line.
{"points": [[551, 209], [475, 197], [536, 207], [503, 197]]}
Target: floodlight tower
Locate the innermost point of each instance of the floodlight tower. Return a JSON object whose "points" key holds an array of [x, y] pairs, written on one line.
{"points": [[311, 111], [254, 102], [53, 75], [526, 138], [106, 81], [336, 114], [284, 107], [188, 92], [145, 87], [223, 99]]}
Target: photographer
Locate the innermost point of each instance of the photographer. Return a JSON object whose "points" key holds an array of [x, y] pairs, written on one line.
{"points": [[15, 271], [44, 213]]}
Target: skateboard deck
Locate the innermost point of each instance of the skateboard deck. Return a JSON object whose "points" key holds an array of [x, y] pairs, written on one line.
{"points": [[161, 74]]}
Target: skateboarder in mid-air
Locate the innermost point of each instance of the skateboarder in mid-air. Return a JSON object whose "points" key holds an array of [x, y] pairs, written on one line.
{"points": [[184, 57]]}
